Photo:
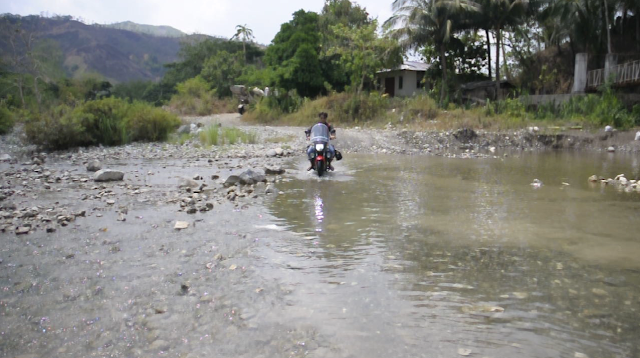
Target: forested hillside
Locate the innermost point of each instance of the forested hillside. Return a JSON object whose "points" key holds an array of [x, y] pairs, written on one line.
{"points": [[80, 49]]}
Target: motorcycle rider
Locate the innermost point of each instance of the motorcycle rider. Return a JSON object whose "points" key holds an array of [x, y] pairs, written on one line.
{"points": [[322, 118]]}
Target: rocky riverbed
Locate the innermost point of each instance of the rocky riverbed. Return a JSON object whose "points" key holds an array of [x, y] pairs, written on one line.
{"points": [[164, 260]]}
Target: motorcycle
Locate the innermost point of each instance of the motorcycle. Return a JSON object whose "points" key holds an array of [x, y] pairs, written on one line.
{"points": [[319, 153]]}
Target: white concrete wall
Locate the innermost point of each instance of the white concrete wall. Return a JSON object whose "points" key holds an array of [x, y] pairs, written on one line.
{"points": [[409, 82]]}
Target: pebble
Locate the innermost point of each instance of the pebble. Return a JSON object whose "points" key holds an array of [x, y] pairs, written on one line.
{"points": [[181, 225], [22, 230]]}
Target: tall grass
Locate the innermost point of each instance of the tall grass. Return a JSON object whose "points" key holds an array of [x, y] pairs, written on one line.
{"points": [[591, 110], [215, 135]]}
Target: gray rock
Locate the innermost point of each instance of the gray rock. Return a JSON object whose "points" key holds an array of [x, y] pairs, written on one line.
{"points": [[184, 129], [232, 180], [279, 152], [94, 166], [611, 149], [271, 153], [187, 183], [108, 175], [250, 177], [593, 178], [5, 157], [274, 170], [22, 230], [8, 206]]}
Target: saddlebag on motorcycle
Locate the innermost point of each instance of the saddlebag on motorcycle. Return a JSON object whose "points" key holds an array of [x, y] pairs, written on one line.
{"points": [[338, 155]]}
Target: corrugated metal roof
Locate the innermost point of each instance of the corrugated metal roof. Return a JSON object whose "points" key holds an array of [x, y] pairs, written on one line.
{"points": [[408, 66]]}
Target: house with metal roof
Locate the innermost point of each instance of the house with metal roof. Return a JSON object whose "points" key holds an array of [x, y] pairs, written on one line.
{"points": [[404, 80]]}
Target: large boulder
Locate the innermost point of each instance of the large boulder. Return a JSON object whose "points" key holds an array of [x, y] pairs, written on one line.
{"points": [[249, 177], [94, 165], [231, 181], [108, 175], [274, 170], [6, 157]]}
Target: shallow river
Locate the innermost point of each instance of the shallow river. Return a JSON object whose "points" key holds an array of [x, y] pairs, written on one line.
{"points": [[400, 256], [389, 256]]}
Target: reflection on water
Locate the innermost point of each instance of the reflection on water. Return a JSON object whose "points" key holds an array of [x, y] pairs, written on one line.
{"points": [[424, 256]]}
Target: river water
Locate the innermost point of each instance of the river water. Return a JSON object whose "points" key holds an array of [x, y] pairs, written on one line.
{"points": [[434, 257], [388, 256]]}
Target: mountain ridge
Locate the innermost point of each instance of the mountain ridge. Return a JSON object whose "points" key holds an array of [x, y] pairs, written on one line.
{"points": [[117, 55], [155, 30]]}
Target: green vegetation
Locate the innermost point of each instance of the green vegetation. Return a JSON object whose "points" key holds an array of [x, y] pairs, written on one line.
{"points": [[215, 135], [194, 97], [108, 121], [6, 120], [592, 110]]}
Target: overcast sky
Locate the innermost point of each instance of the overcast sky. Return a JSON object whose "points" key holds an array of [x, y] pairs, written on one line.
{"points": [[210, 17]]}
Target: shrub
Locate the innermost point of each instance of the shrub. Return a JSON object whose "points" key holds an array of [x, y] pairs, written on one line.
{"points": [[591, 109], [109, 121], [343, 108], [57, 128], [6, 120], [102, 121], [145, 123]]}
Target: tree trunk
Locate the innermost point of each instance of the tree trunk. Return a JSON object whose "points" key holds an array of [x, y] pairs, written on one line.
{"points": [[486, 32], [637, 16], [498, 39], [244, 50], [443, 65], [20, 85], [504, 57], [36, 90], [606, 18]]}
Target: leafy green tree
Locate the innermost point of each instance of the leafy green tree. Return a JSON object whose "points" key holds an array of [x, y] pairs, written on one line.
{"points": [[342, 12], [221, 71], [294, 54], [193, 55], [362, 52], [349, 15]]}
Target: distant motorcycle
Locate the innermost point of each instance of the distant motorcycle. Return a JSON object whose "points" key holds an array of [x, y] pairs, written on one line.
{"points": [[319, 154]]}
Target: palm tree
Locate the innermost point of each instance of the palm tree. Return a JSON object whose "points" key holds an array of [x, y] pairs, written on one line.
{"points": [[433, 22], [244, 34], [502, 13]]}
